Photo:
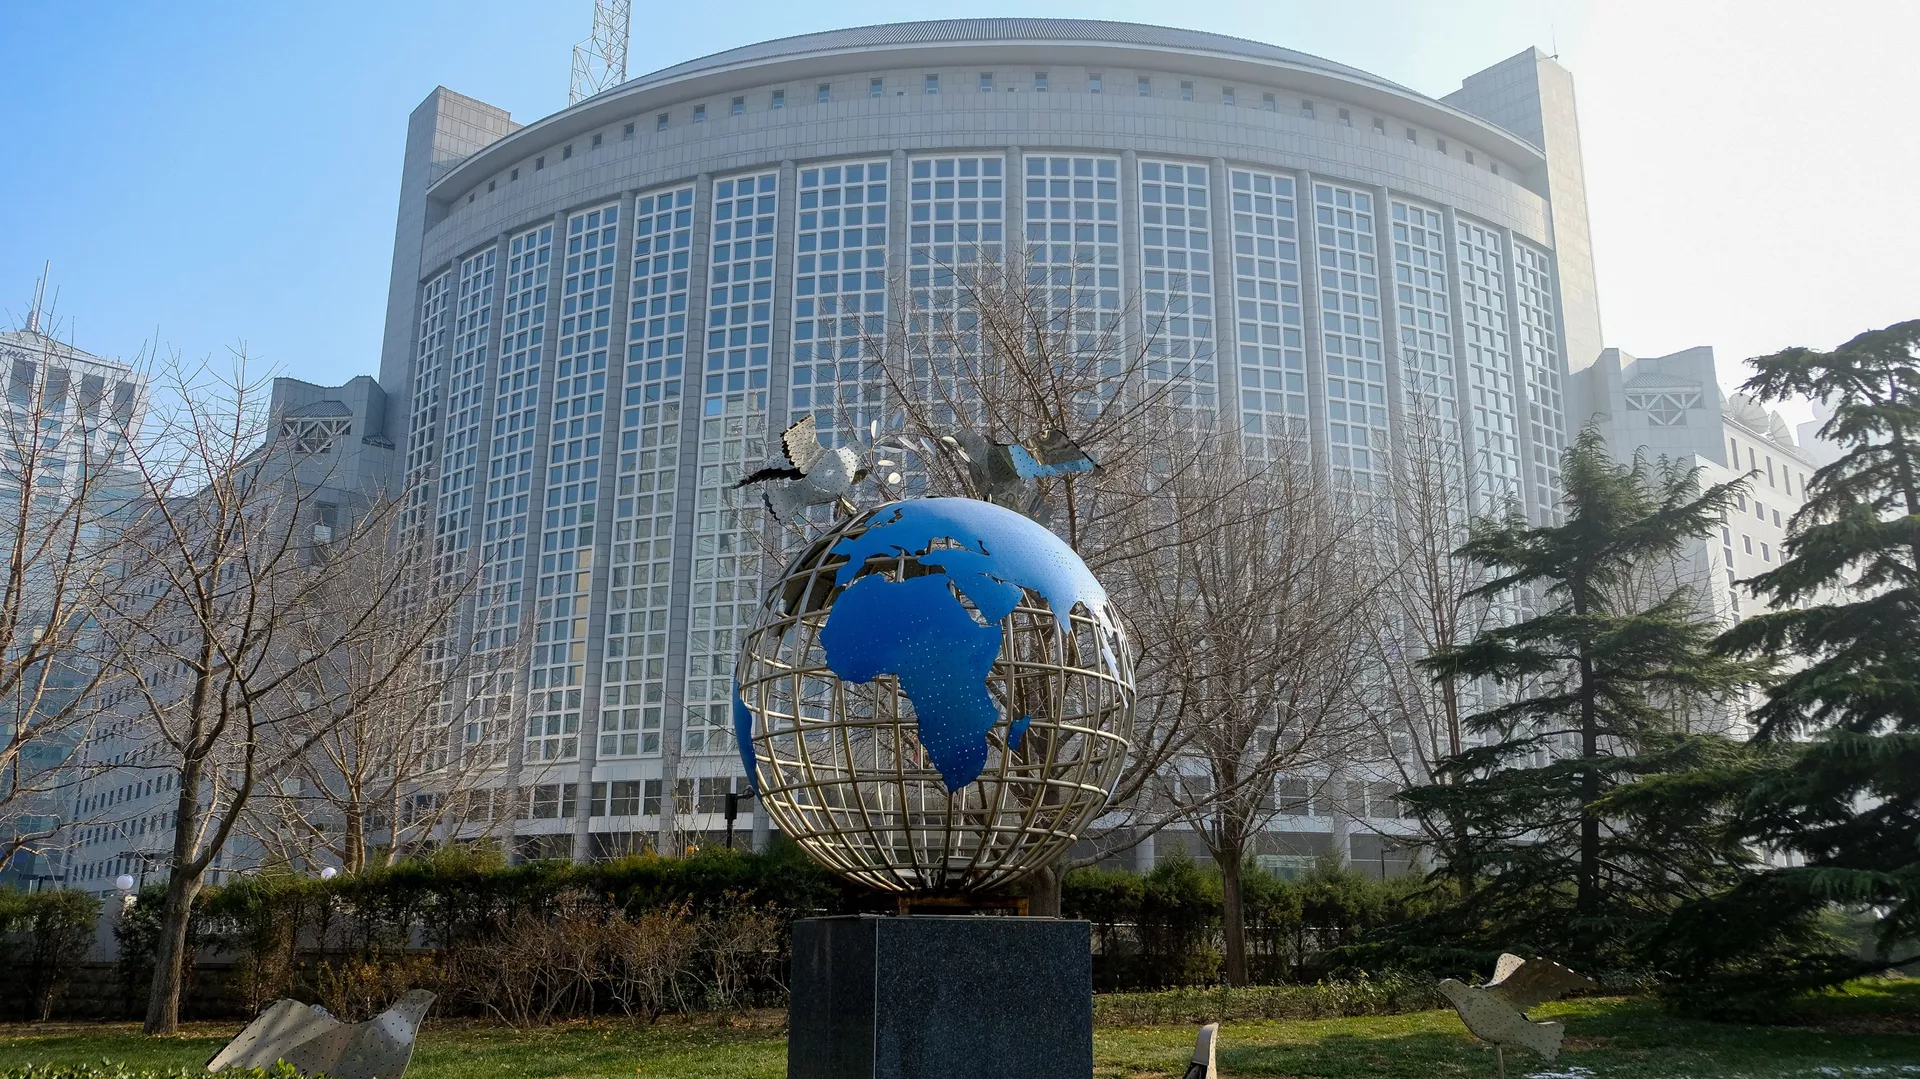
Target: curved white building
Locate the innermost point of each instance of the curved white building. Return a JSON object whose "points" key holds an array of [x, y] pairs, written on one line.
{"points": [[597, 317]]}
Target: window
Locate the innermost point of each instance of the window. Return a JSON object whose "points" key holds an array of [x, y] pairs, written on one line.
{"points": [[1306, 109], [1268, 103], [986, 82], [1747, 542], [566, 151], [1039, 82], [1226, 95], [933, 84], [626, 798], [1143, 86], [1495, 166], [876, 87], [539, 163], [650, 798], [470, 194], [1379, 126], [1093, 82], [1770, 470], [699, 114], [1766, 553], [512, 176], [596, 141], [1411, 137], [779, 99], [1469, 154], [1664, 408], [1186, 90], [1346, 120], [1440, 145], [739, 106], [660, 122], [823, 93], [490, 186], [1776, 518], [626, 132]]}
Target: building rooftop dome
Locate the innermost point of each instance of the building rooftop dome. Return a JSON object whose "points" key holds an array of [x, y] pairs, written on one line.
{"points": [[989, 31]]}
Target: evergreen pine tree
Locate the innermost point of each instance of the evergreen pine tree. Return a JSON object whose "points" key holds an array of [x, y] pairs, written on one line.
{"points": [[1596, 685], [1840, 789]]}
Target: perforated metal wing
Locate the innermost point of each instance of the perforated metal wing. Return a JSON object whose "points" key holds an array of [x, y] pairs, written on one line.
{"points": [[801, 444], [1524, 983]]}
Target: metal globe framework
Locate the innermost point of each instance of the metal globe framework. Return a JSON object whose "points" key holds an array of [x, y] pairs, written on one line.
{"points": [[840, 770]]}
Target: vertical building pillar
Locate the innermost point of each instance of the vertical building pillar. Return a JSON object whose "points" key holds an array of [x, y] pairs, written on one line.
{"points": [[1226, 326], [1316, 354]]}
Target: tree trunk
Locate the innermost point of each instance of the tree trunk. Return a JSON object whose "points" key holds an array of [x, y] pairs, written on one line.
{"points": [[1043, 892], [353, 855], [1233, 916], [170, 954]]}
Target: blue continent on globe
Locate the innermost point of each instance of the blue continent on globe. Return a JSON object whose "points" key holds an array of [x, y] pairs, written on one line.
{"points": [[918, 631]]}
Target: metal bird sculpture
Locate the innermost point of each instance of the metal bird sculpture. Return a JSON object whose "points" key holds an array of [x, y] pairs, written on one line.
{"points": [[814, 475], [1009, 474], [1204, 1063], [315, 1043], [1497, 1011]]}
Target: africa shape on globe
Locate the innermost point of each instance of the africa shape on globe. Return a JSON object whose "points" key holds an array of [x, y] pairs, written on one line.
{"points": [[937, 695]]}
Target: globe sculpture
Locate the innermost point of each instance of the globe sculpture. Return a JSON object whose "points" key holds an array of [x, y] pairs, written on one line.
{"points": [[937, 697]]}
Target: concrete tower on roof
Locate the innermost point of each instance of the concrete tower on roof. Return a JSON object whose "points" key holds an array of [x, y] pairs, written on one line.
{"points": [[597, 318]]}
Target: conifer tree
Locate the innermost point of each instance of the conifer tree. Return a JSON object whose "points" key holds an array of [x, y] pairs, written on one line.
{"points": [[1594, 684], [1841, 789]]}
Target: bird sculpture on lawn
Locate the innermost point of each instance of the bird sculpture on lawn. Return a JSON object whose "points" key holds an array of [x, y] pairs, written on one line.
{"points": [[313, 1042], [1009, 473], [1497, 1011], [814, 475]]}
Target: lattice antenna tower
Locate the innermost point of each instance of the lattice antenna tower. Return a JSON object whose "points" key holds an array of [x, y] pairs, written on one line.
{"points": [[600, 62]]}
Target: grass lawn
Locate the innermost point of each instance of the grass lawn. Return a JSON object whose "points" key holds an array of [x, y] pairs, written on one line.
{"points": [[1871, 1031]]}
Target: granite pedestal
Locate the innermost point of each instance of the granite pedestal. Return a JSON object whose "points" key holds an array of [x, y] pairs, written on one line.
{"points": [[932, 997]]}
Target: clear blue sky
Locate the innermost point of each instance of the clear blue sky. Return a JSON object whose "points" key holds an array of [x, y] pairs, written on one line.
{"points": [[218, 174]]}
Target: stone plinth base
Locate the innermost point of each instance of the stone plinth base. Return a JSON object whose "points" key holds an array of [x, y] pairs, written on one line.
{"points": [[931, 997]]}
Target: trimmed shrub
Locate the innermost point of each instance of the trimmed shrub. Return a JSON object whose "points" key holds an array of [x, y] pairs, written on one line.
{"points": [[43, 938]]}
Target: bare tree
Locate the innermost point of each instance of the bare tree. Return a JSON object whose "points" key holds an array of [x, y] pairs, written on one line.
{"points": [[61, 500], [237, 609], [1258, 615], [1008, 346], [1425, 604], [379, 775]]}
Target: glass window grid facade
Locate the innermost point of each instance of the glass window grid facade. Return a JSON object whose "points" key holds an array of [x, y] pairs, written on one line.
{"points": [[1350, 335], [733, 420], [1540, 359], [839, 295], [1176, 254], [429, 358], [516, 400], [1423, 312], [633, 683], [1073, 241], [568, 526], [956, 210], [1267, 311], [1495, 417], [465, 407]]}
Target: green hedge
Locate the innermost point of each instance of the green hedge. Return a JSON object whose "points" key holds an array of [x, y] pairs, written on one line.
{"points": [[43, 937], [1162, 929]]}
